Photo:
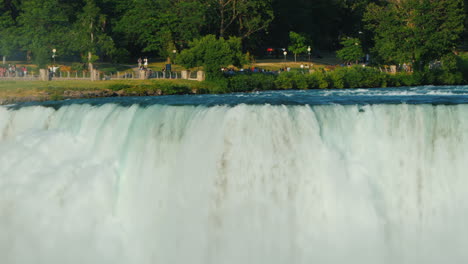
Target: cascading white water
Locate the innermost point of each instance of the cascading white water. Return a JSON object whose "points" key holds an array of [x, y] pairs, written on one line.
{"points": [[242, 184]]}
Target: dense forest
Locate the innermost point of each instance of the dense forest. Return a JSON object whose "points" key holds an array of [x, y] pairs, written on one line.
{"points": [[120, 30]]}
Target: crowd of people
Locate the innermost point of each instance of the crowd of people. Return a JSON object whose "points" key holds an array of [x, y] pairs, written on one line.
{"points": [[231, 71], [13, 71]]}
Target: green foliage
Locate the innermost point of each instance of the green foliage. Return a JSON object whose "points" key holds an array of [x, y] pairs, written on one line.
{"points": [[212, 53], [298, 80], [336, 78], [239, 18], [363, 77], [159, 87], [298, 44], [462, 65], [251, 82], [88, 35], [42, 27], [402, 79], [89, 59], [358, 76], [8, 40], [76, 66], [419, 31], [317, 79], [287, 80], [120, 55], [450, 72], [158, 25], [409, 31], [351, 51], [118, 86]]}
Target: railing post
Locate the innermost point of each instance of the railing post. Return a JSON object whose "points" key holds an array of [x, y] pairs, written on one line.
{"points": [[200, 76], [43, 75]]}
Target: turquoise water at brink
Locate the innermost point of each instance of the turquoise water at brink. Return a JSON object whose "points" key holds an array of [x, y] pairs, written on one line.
{"points": [[317, 176]]}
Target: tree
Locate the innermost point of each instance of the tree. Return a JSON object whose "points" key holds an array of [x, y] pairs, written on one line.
{"points": [[415, 31], [298, 44], [89, 34], [351, 51], [213, 54], [42, 27], [240, 18], [8, 38], [162, 25]]}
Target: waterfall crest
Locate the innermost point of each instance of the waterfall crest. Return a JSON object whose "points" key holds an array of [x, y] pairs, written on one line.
{"points": [[242, 184]]}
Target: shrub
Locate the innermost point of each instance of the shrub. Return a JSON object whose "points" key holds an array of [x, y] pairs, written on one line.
{"points": [[251, 82], [353, 76], [318, 79], [462, 65], [373, 78], [286, 80], [450, 78], [405, 79], [336, 78], [217, 85]]}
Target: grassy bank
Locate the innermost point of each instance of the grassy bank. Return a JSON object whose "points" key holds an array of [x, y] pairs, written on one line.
{"points": [[21, 91]]}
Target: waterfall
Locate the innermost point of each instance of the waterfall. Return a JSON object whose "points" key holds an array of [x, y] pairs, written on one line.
{"points": [[234, 184]]}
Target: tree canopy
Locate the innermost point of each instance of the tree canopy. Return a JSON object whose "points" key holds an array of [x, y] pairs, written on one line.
{"points": [[395, 31], [351, 51], [298, 43], [415, 31], [213, 53]]}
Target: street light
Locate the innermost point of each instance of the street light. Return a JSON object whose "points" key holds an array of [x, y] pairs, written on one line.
{"points": [[308, 50], [174, 51], [53, 55], [285, 53]]}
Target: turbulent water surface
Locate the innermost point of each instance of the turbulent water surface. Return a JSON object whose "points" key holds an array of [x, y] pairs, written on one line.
{"points": [[333, 176]]}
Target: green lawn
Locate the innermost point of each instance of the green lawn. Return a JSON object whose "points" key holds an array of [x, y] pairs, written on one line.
{"points": [[55, 90]]}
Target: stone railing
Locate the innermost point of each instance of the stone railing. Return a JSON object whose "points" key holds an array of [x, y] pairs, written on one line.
{"points": [[95, 75]]}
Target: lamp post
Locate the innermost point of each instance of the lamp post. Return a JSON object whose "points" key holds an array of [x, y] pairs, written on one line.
{"points": [[53, 55], [174, 52], [285, 53], [308, 51]]}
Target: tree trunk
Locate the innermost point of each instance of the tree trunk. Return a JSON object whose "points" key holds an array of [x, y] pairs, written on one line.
{"points": [[90, 64], [295, 57], [221, 28], [4, 59], [90, 54]]}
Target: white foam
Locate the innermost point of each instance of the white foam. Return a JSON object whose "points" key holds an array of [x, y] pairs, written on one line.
{"points": [[244, 184]]}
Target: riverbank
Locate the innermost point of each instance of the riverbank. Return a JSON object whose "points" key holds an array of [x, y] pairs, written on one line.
{"points": [[27, 91], [343, 77]]}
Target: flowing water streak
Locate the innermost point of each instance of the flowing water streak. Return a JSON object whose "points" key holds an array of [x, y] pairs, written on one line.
{"points": [[242, 184]]}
